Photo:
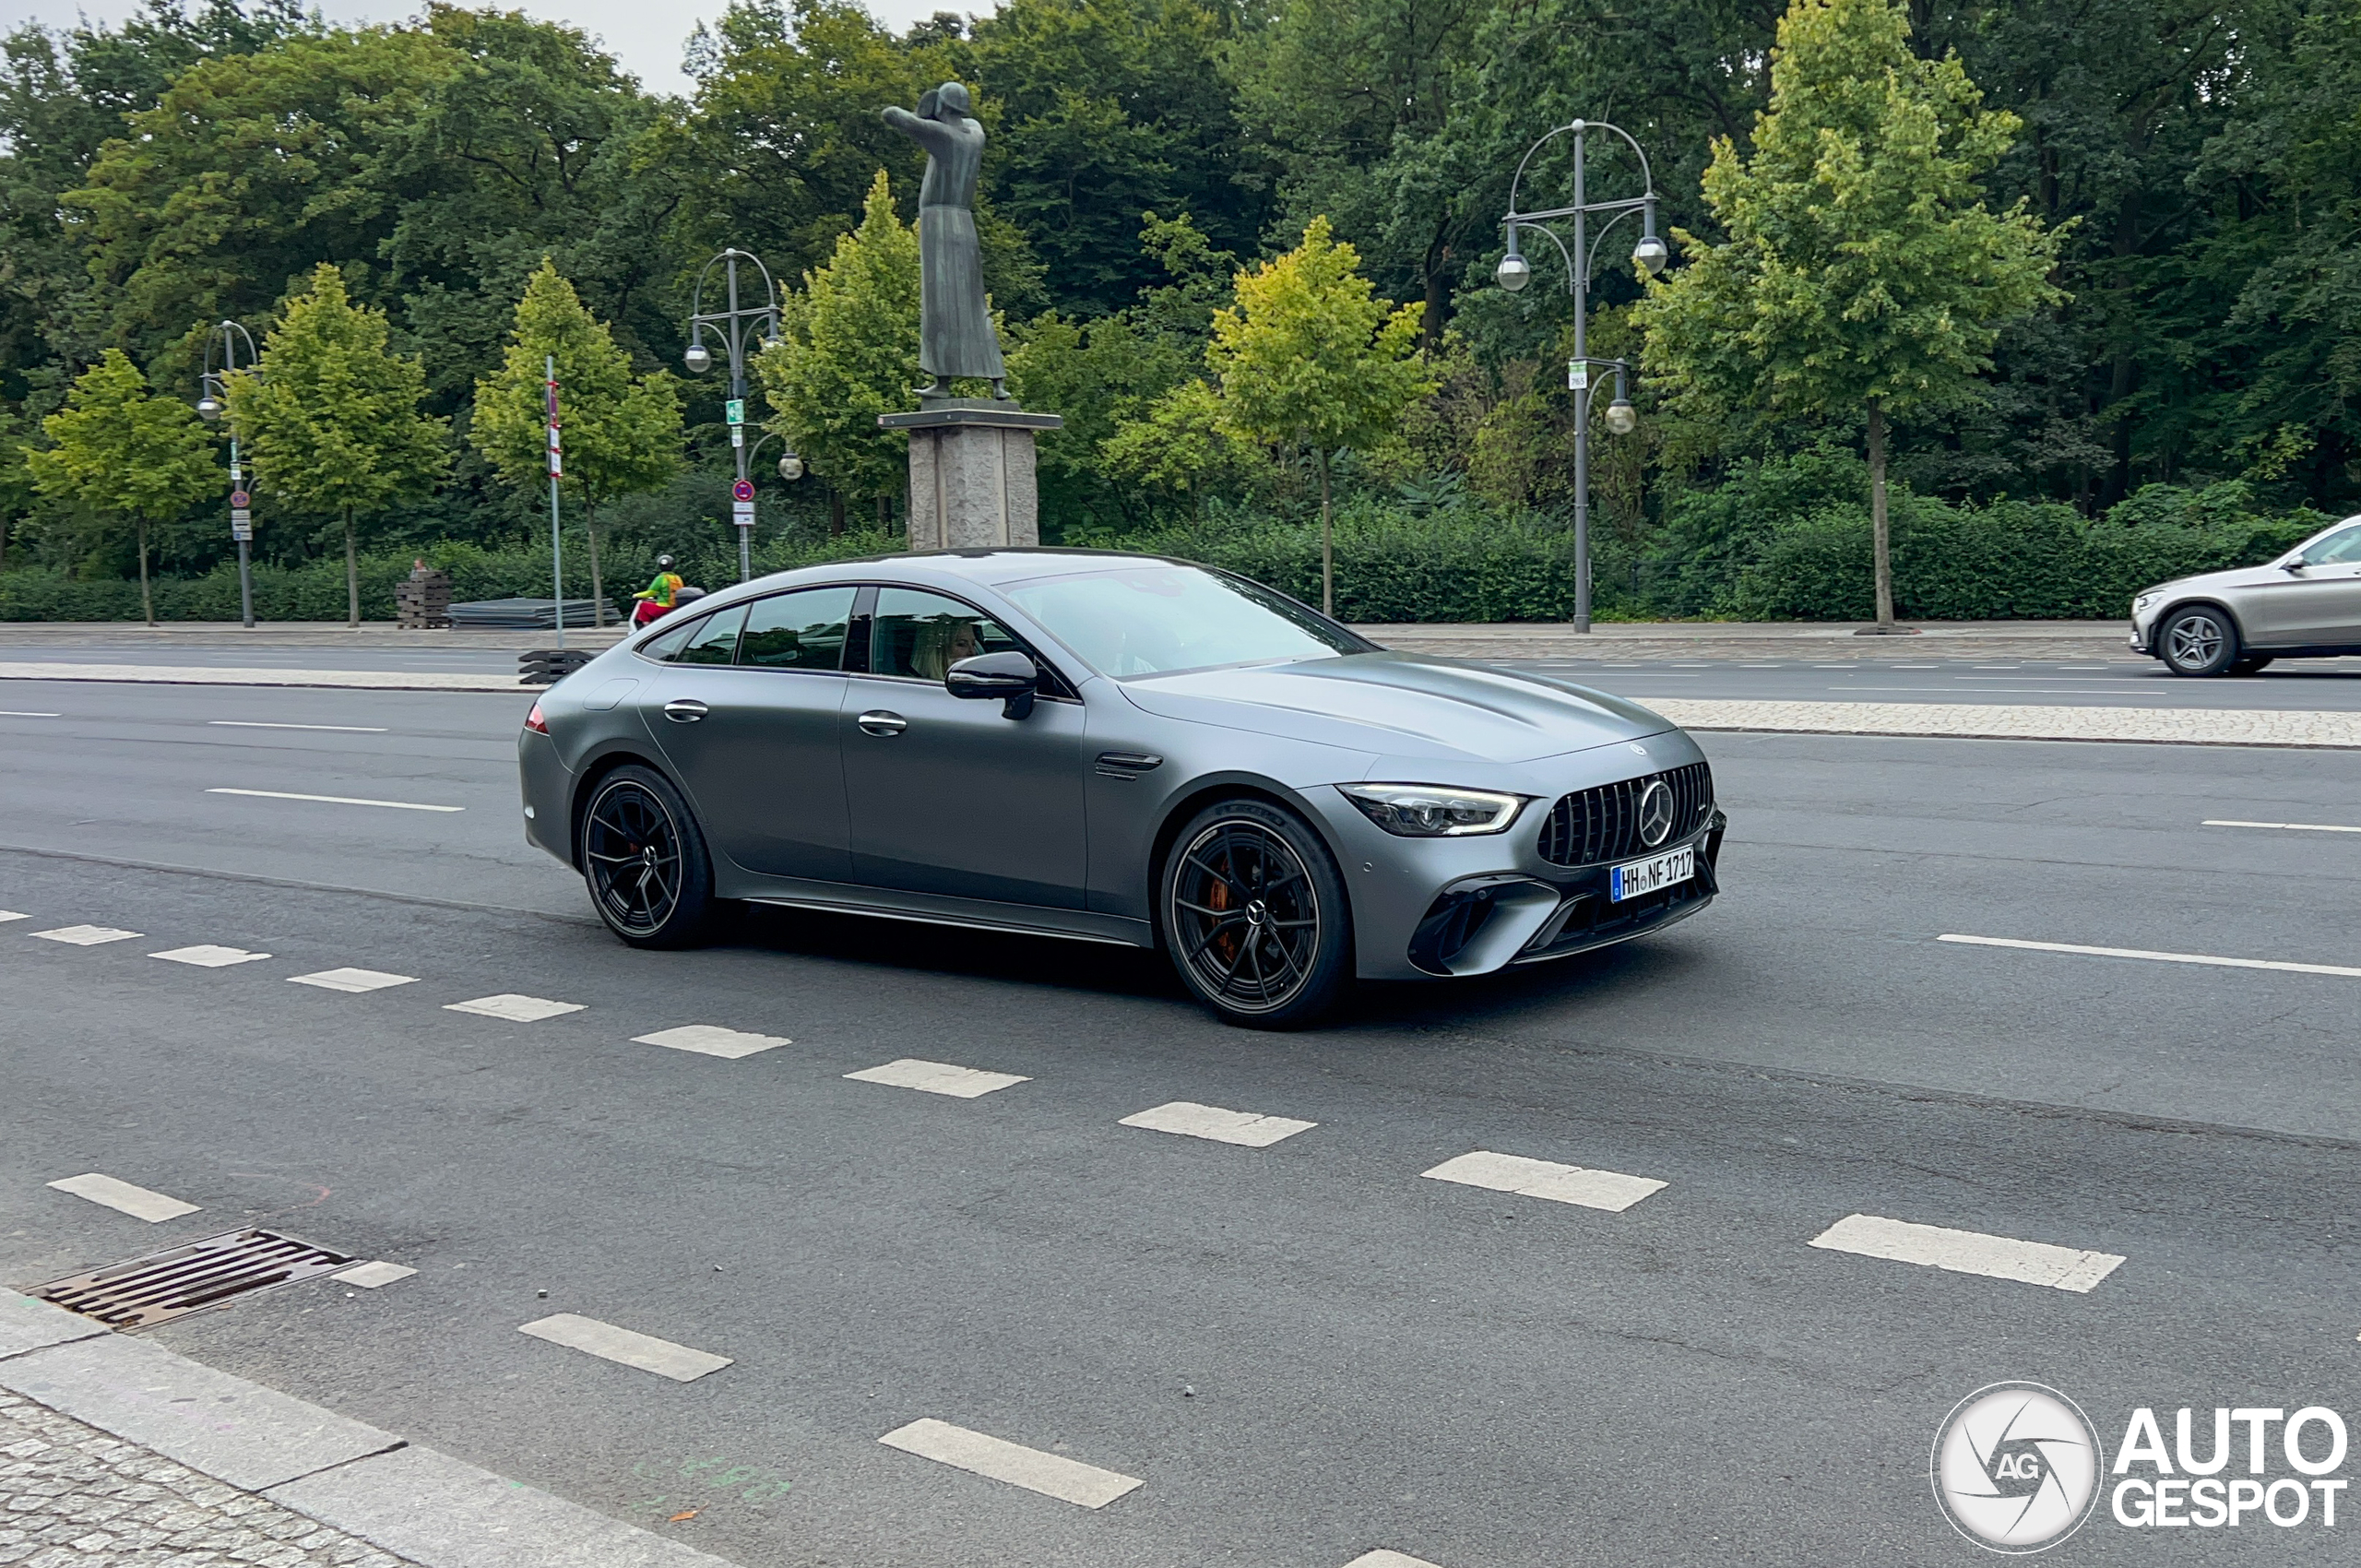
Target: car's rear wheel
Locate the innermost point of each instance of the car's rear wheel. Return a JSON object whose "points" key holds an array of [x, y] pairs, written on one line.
{"points": [[1255, 915], [2200, 640], [644, 861], [2251, 665]]}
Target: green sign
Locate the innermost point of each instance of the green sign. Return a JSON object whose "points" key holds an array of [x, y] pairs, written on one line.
{"points": [[735, 411]]}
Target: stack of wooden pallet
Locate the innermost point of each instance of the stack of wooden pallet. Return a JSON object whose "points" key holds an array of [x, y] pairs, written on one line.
{"points": [[423, 598]]}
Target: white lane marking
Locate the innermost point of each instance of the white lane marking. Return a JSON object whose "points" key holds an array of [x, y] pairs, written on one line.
{"points": [[2205, 958], [19, 713], [136, 1201], [937, 1078], [205, 955], [1968, 1252], [355, 980], [2290, 827], [1388, 1560], [370, 1275], [1193, 1121], [7, 915], [261, 724], [86, 935], [642, 1351], [515, 1008], [337, 799], [1609, 1190], [1051, 1475], [711, 1039]]}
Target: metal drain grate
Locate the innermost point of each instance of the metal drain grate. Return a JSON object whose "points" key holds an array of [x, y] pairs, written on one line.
{"points": [[190, 1278]]}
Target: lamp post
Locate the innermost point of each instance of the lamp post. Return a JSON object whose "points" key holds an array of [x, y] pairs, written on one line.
{"points": [[731, 324], [212, 390], [1515, 272]]}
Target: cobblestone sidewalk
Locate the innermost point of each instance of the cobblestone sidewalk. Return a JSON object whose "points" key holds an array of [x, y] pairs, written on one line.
{"points": [[72, 1495]]}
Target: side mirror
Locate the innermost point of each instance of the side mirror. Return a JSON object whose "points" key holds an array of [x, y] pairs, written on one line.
{"points": [[2295, 566], [1010, 676]]}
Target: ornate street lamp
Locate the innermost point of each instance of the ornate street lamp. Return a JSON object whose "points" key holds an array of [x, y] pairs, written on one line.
{"points": [[222, 346], [732, 323], [1515, 272]]}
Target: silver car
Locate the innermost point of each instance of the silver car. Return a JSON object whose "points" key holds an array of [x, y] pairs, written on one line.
{"points": [[1114, 748], [2307, 605]]}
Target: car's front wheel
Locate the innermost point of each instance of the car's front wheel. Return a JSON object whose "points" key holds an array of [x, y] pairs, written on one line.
{"points": [[2201, 640], [1255, 915], [644, 861]]}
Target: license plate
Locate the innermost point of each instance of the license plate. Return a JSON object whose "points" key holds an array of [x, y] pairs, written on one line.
{"points": [[1652, 875]]}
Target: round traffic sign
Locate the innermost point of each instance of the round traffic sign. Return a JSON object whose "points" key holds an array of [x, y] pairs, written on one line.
{"points": [[742, 490], [240, 499]]}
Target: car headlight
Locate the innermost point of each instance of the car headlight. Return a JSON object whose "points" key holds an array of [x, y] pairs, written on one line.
{"points": [[1431, 810], [2145, 601]]}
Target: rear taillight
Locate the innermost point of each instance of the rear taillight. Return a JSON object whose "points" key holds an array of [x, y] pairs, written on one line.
{"points": [[535, 722]]}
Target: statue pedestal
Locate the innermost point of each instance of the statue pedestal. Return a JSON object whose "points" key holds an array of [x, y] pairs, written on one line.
{"points": [[972, 481]]}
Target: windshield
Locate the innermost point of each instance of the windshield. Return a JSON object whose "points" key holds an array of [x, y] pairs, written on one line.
{"points": [[1156, 617], [2340, 548]]}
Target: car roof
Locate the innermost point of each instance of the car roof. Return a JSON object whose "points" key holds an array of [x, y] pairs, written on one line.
{"points": [[991, 567]]}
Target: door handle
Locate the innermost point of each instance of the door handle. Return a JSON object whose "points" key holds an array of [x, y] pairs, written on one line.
{"points": [[881, 724], [685, 710]]}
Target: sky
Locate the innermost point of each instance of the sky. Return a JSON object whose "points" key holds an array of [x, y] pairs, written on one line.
{"points": [[646, 38]]}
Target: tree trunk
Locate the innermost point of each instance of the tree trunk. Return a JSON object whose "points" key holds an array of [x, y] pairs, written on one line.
{"points": [[1881, 541], [835, 512], [146, 596], [352, 575], [598, 591], [1327, 543]]}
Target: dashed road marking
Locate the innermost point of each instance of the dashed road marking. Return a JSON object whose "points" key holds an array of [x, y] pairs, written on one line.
{"points": [[2205, 959], [1051, 1475], [205, 956], [515, 1008], [711, 1039], [136, 1201], [86, 935], [19, 713], [355, 980], [337, 799], [642, 1351], [1388, 1560], [1608, 1190], [937, 1078], [371, 1276], [7, 915], [1968, 1252], [260, 724], [2289, 826], [1193, 1121]]}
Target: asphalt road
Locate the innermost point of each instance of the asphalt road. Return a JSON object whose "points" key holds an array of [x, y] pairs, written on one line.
{"points": [[1305, 1351], [2126, 680]]}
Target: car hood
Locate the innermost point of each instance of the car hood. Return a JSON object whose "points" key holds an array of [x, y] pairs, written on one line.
{"points": [[2220, 582], [1401, 705]]}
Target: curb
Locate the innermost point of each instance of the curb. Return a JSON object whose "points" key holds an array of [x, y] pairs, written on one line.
{"points": [[200, 675], [350, 1477], [2288, 728]]}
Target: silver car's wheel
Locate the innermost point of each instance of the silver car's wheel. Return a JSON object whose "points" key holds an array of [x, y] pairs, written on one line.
{"points": [[644, 861], [1255, 915], [2198, 641]]}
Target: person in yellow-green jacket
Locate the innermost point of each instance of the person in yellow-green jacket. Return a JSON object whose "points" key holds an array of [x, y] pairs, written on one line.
{"points": [[658, 598]]}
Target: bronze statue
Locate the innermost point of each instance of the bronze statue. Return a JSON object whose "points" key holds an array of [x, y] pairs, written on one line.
{"points": [[955, 336]]}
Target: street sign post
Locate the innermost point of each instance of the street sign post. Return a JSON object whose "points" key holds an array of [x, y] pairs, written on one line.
{"points": [[557, 546], [734, 410], [742, 490]]}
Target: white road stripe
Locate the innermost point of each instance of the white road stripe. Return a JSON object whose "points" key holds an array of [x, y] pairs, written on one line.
{"points": [[136, 1201], [711, 1039], [1388, 1560], [1193, 1121], [2291, 827], [354, 980], [205, 955], [937, 1078], [1051, 1475], [18, 713], [86, 935], [644, 1351], [337, 799], [7, 915], [370, 1275], [261, 724], [1608, 1190], [515, 1008], [1968, 1252], [2289, 968]]}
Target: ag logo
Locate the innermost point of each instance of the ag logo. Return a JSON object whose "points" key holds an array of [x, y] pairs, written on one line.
{"points": [[1656, 813], [2016, 1467]]}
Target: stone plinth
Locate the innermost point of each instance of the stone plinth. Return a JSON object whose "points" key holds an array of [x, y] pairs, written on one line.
{"points": [[971, 473]]}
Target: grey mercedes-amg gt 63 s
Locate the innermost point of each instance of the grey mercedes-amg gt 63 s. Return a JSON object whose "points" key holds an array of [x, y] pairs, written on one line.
{"points": [[1117, 748]]}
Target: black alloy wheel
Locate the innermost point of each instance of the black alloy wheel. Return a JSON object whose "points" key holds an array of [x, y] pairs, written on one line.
{"points": [[644, 861], [1255, 915], [2200, 640]]}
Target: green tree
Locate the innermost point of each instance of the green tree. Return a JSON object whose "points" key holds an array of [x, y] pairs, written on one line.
{"points": [[1863, 269], [849, 351], [122, 452], [1309, 356], [1181, 442], [622, 433], [330, 419]]}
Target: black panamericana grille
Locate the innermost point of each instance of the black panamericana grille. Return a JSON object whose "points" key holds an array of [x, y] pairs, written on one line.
{"points": [[1603, 824]]}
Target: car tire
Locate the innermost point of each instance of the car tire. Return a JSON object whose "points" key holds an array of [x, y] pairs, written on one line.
{"points": [[2200, 640], [2251, 665], [644, 860], [1255, 917]]}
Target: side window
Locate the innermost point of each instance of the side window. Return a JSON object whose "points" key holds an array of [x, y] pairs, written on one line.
{"points": [[798, 631], [920, 634], [2341, 548], [715, 639], [665, 645]]}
